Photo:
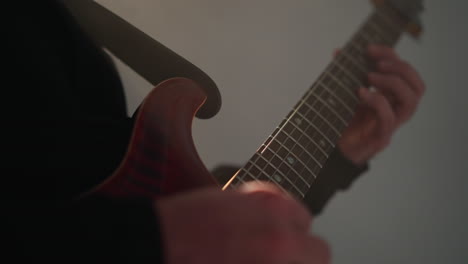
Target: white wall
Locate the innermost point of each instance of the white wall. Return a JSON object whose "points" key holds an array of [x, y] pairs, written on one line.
{"points": [[412, 206]]}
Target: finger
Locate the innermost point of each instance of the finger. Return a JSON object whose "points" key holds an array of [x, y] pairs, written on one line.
{"points": [[385, 116], [380, 52], [398, 90], [291, 209], [261, 186], [405, 71], [316, 251]]}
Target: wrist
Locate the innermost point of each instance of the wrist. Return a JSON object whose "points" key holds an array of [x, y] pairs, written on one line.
{"points": [[357, 157]]}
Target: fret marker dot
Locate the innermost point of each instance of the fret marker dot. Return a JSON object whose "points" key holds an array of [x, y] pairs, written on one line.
{"points": [[291, 160], [298, 121], [277, 178]]}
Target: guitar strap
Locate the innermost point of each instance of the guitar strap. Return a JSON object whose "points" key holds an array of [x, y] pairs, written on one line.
{"points": [[146, 56]]}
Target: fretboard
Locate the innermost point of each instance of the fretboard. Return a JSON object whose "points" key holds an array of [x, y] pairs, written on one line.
{"points": [[294, 154]]}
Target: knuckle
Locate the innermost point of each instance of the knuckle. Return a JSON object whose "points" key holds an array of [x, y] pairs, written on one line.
{"points": [[380, 101], [395, 82], [388, 52]]}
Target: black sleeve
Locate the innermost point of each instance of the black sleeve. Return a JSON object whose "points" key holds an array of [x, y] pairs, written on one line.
{"points": [[92, 230], [64, 129], [337, 174]]}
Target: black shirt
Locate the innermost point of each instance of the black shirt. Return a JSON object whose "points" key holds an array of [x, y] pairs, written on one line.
{"points": [[65, 129]]}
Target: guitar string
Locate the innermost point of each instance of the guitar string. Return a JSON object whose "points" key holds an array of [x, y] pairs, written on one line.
{"points": [[371, 20]]}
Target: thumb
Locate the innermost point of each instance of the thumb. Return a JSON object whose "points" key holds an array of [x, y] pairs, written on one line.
{"points": [[262, 186]]}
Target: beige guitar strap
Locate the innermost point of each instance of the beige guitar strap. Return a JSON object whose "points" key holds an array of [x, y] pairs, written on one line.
{"points": [[146, 56]]}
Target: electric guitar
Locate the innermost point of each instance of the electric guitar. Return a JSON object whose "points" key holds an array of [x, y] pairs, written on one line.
{"points": [[162, 160]]}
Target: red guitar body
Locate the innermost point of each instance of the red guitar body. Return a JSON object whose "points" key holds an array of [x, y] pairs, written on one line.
{"points": [[161, 158]]}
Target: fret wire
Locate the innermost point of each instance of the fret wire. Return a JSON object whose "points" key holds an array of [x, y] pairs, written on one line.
{"points": [[360, 40], [309, 156], [269, 161], [342, 85], [247, 169], [379, 27], [398, 26], [347, 63], [373, 24], [323, 118], [378, 31], [345, 105], [355, 43], [286, 173], [332, 109], [377, 35], [305, 150], [367, 38], [233, 183], [393, 23], [351, 50], [242, 176], [254, 164], [335, 62], [388, 39], [253, 176], [312, 132], [238, 179], [252, 161], [340, 77], [360, 43], [286, 121], [316, 118], [266, 174], [316, 129], [290, 169], [310, 139], [384, 19], [289, 165], [357, 72], [344, 53], [241, 179], [364, 30], [332, 119], [321, 125]]}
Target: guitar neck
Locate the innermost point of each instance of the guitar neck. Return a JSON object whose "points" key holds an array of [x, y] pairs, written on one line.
{"points": [[294, 154]]}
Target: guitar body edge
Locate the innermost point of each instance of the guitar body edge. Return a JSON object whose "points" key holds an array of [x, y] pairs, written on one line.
{"points": [[161, 158]]}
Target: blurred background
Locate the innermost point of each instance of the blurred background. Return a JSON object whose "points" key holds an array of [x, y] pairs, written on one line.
{"points": [[411, 207]]}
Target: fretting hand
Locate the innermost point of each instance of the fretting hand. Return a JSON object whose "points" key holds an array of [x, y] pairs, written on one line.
{"points": [[398, 90]]}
